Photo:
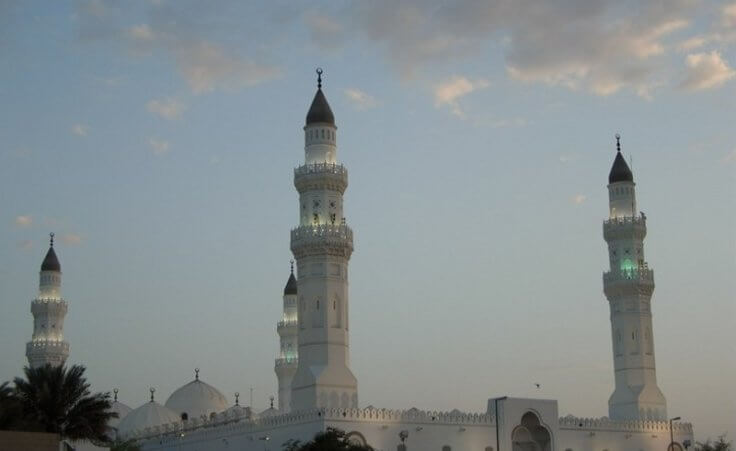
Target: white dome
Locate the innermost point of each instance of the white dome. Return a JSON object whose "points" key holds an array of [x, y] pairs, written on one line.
{"points": [[150, 414], [122, 410], [197, 398]]}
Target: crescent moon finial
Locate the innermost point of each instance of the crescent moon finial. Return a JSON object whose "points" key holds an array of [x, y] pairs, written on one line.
{"points": [[319, 77]]}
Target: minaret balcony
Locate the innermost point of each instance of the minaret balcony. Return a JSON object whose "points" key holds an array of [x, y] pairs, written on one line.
{"points": [[47, 345], [625, 227], [629, 281], [285, 325], [318, 176], [286, 361], [321, 239]]}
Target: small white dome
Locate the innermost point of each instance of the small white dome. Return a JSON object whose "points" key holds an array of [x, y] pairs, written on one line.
{"points": [[197, 398], [150, 414], [122, 410]]}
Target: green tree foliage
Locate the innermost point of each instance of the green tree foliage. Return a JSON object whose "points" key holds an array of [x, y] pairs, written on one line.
{"points": [[124, 445], [56, 399], [330, 440], [719, 445]]}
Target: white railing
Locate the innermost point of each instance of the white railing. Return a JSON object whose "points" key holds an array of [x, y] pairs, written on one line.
{"points": [[321, 168], [571, 422], [638, 274], [321, 232]]}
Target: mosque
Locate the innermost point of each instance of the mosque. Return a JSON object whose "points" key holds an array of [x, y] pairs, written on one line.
{"points": [[316, 387]]}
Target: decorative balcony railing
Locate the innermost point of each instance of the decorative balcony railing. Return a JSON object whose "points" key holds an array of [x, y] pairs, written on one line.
{"points": [[320, 176], [626, 220], [320, 233], [642, 274], [321, 168], [284, 361], [283, 324]]}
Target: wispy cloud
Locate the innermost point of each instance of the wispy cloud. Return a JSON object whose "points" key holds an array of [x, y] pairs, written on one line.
{"points": [[449, 92], [80, 129], [25, 244], [207, 66], [23, 221], [71, 239], [325, 31], [159, 146], [578, 199], [706, 71], [166, 108], [730, 157], [360, 99]]}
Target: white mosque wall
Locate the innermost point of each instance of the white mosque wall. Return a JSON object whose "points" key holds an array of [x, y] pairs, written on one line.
{"points": [[424, 430]]}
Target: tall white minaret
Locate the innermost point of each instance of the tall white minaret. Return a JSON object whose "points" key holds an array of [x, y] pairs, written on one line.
{"points": [[322, 245], [629, 286], [287, 361], [47, 346]]}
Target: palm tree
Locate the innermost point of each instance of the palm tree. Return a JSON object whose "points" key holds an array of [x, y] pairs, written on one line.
{"points": [[57, 399], [720, 445], [10, 412], [330, 440]]}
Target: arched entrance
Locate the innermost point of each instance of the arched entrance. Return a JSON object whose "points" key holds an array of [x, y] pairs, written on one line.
{"points": [[531, 435]]}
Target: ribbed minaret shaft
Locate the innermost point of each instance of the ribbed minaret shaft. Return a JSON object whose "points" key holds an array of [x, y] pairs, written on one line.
{"points": [[322, 245], [47, 345], [288, 358], [629, 285]]}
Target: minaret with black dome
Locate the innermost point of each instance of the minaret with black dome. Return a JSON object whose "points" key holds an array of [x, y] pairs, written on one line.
{"points": [[288, 358], [629, 285], [47, 345], [322, 245]]}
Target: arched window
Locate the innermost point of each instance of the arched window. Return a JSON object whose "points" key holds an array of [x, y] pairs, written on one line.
{"points": [[446, 448], [489, 448], [323, 133]]}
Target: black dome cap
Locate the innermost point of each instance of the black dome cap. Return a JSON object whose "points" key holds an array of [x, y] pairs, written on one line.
{"points": [[320, 110], [620, 171], [51, 261], [291, 286]]}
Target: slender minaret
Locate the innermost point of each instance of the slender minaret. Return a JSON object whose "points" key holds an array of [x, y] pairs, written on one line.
{"points": [[629, 286], [286, 363], [322, 245], [47, 344]]}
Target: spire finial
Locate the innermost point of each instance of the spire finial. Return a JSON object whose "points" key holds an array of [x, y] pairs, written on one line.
{"points": [[196, 374], [51, 239], [618, 142], [292, 266], [115, 390], [271, 399], [319, 78], [152, 390], [237, 396]]}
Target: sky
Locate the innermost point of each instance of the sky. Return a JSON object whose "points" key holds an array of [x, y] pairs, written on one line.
{"points": [[157, 139]]}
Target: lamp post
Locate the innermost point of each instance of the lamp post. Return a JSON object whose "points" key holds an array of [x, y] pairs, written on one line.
{"points": [[495, 402], [672, 436]]}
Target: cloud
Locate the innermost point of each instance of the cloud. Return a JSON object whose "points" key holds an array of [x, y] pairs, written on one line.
{"points": [[71, 239], [23, 221], [141, 33], [706, 71], [729, 15], [166, 108], [597, 46], [206, 66], [578, 199], [186, 34], [159, 146], [448, 93], [80, 129], [692, 43], [360, 99], [25, 244], [325, 31], [730, 157]]}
